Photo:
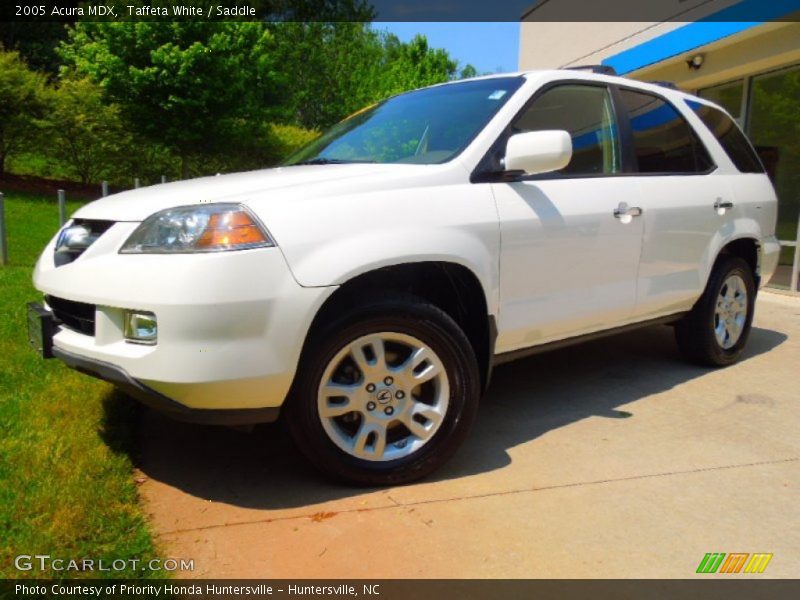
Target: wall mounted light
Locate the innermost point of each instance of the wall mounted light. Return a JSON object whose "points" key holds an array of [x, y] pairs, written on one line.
{"points": [[696, 61]]}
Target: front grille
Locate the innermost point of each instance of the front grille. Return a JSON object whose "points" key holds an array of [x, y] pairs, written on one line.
{"points": [[77, 316], [73, 241]]}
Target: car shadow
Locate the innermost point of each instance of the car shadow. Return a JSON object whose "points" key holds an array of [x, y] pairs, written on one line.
{"points": [[527, 398]]}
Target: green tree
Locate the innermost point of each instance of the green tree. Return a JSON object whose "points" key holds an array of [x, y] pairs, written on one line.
{"points": [[416, 64], [210, 92], [22, 105], [261, 145], [467, 72], [85, 132], [184, 84], [330, 70], [36, 42]]}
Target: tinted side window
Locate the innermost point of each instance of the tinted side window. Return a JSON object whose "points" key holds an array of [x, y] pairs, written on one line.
{"points": [[664, 142], [587, 114], [729, 136]]}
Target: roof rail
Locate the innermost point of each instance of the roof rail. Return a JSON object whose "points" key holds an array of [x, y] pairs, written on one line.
{"points": [[601, 69], [665, 84]]}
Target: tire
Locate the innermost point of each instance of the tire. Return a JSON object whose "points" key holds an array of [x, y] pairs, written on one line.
{"points": [[384, 428], [715, 338]]}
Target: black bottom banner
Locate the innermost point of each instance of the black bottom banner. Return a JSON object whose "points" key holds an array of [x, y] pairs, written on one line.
{"points": [[416, 589]]}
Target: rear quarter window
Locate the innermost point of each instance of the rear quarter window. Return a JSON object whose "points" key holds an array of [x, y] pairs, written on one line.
{"points": [[729, 136]]}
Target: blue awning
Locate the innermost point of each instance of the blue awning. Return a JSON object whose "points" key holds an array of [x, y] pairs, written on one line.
{"points": [[722, 24]]}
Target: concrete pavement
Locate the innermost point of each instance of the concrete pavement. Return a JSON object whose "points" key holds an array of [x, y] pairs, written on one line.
{"points": [[609, 459]]}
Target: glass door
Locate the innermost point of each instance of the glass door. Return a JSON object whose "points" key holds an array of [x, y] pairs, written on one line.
{"points": [[773, 125]]}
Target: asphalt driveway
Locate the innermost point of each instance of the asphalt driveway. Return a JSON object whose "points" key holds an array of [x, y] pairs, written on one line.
{"points": [[609, 459]]}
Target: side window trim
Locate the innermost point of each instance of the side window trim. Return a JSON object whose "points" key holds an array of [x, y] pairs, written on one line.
{"points": [[629, 167], [628, 140]]}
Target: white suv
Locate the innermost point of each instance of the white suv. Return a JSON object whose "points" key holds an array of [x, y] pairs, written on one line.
{"points": [[367, 287]]}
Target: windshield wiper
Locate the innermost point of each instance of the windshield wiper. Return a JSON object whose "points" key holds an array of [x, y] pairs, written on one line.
{"points": [[331, 161]]}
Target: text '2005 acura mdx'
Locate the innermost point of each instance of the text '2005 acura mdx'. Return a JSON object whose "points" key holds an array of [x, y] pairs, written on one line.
{"points": [[366, 288]]}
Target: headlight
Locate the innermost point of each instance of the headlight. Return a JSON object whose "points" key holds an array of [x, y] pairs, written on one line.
{"points": [[200, 228]]}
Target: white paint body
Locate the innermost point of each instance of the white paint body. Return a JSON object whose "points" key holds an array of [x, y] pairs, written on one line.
{"points": [[552, 259]]}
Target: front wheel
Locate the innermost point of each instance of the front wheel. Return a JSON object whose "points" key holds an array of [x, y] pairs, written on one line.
{"points": [[385, 394], [715, 332]]}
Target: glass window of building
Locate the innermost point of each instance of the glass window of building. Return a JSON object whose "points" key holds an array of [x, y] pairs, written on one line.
{"points": [[774, 128], [728, 96]]}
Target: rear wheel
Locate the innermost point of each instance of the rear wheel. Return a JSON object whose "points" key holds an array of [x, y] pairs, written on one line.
{"points": [[385, 394], [715, 332]]}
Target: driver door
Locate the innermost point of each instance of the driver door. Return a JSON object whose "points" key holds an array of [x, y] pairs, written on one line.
{"points": [[570, 240]]}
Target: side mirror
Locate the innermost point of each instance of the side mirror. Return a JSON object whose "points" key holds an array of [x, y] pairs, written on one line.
{"points": [[538, 151]]}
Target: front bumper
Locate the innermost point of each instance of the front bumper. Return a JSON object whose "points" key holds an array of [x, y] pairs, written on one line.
{"points": [[159, 402], [231, 325]]}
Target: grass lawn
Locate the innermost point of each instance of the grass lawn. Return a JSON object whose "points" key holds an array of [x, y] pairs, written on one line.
{"points": [[66, 484]]}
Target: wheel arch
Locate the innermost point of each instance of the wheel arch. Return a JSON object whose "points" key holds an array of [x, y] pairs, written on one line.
{"points": [[741, 237], [451, 286], [748, 249]]}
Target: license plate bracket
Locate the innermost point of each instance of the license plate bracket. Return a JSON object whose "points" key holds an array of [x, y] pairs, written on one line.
{"points": [[41, 328]]}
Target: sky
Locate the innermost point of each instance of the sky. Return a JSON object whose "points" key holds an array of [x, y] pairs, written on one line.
{"points": [[489, 47]]}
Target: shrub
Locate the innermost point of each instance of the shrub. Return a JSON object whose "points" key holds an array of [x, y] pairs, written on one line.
{"points": [[22, 105], [258, 146], [85, 133]]}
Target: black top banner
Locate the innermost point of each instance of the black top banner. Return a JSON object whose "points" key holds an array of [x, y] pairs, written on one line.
{"points": [[404, 10]]}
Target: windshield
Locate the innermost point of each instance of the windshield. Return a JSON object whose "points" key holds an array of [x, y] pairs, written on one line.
{"points": [[425, 126]]}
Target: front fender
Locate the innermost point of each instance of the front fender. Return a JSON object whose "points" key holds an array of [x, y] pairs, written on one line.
{"points": [[330, 240], [342, 259]]}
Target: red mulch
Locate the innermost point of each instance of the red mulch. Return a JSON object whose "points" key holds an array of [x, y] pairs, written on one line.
{"points": [[45, 187]]}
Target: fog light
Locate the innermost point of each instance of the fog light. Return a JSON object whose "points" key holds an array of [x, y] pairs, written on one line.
{"points": [[140, 327]]}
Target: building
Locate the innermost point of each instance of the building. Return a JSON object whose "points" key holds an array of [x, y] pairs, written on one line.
{"points": [[750, 67]]}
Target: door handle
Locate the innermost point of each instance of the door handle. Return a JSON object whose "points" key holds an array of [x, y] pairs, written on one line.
{"points": [[722, 205], [623, 210]]}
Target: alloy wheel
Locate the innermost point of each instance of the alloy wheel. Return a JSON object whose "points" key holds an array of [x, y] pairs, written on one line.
{"points": [[383, 396], [730, 313]]}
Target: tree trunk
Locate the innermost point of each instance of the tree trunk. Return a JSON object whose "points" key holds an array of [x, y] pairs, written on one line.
{"points": [[184, 166]]}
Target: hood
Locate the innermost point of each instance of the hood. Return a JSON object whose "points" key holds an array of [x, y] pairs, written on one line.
{"points": [[138, 204]]}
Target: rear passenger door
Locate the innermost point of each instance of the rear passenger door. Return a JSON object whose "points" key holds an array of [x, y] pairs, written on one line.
{"points": [[678, 190]]}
